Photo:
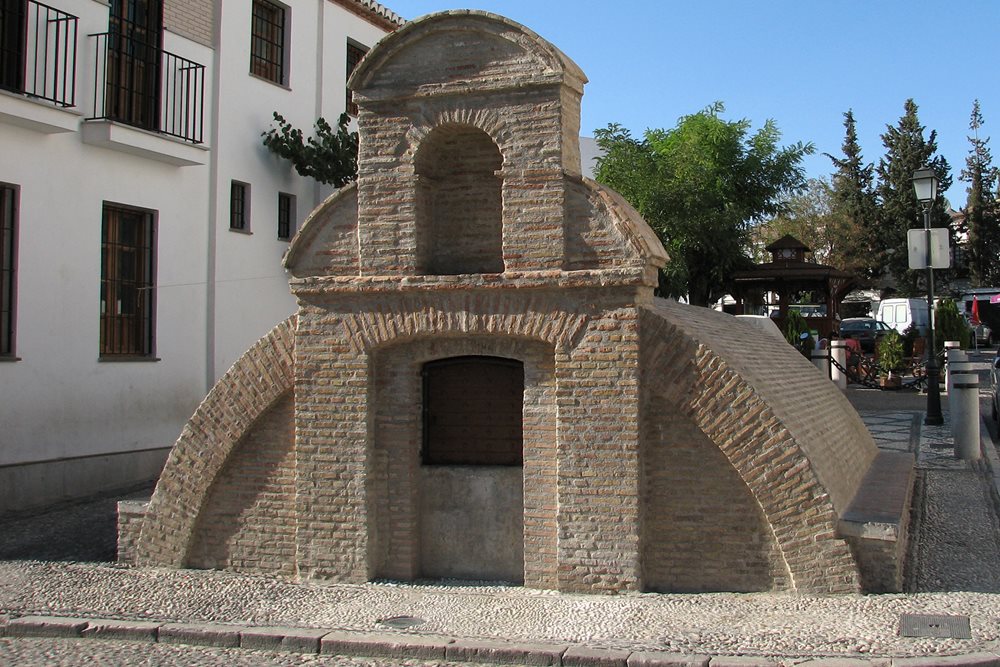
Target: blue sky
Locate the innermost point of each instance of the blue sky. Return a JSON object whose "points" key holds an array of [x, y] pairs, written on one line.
{"points": [[801, 62]]}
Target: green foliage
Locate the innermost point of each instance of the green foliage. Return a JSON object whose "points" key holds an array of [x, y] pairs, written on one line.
{"points": [[906, 151], [700, 186], [329, 157], [853, 209], [795, 326], [910, 334], [809, 217], [950, 324], [982, 212], [890, 351]]}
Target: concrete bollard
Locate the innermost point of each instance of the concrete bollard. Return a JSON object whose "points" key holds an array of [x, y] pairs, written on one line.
{"points": [[838, 351], [965, 416], [959, 367], [821, 360], [952, 353]]}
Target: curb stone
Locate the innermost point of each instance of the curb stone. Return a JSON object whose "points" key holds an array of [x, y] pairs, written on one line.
{"points": [[411, 646], [201, 634]]}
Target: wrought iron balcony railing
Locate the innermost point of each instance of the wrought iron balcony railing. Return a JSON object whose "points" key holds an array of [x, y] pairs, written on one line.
{"points": [[146, 87], [38, 51]]}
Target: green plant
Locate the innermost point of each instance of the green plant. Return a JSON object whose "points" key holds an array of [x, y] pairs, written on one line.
{"points": [[910, 334], [949, 324], [795, 326], [890, 352], [329, 157]]}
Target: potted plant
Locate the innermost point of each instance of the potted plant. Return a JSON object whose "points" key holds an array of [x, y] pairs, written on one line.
{"points": [[890, 358]]}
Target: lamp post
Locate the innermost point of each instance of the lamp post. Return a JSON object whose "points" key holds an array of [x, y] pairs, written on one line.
{"points": [[925, 184]]}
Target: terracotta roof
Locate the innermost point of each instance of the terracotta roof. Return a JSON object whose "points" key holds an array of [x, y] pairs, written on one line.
{"points": [[373, 11]]}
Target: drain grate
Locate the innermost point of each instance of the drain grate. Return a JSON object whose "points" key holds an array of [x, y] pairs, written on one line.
{"points": [[400, 622], [934, 625]]}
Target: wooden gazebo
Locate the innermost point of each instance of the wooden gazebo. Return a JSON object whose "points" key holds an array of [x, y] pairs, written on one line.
{"points": [[787, 274]]}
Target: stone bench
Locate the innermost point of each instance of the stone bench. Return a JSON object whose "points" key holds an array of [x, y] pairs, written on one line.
{"points": [[876, 521]]}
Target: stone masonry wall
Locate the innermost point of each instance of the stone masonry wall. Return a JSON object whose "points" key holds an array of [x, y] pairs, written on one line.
{"points": [[248, 521]]}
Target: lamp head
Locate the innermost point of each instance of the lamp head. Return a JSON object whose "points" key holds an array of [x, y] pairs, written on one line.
{"points": [[925, 184]]}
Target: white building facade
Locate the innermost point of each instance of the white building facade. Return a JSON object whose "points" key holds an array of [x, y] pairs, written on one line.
{"points": [[143, 221]]}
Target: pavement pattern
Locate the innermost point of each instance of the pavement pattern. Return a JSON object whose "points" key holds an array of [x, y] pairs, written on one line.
{"points": [[955, 571]]}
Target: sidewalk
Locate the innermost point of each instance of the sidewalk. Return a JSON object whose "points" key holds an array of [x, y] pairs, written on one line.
{"points": [[955, 567]]}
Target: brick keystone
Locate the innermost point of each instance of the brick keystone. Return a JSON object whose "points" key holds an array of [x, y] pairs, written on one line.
{"points": [[580, 656], [665, 659], [105, 628], [201, 634], [384, 645], [298, 640], [519, 653], [983, 659], [46, 626]]}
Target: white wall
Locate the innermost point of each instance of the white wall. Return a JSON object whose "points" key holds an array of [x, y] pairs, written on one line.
{"points": [[59, 400], [251, 288]]}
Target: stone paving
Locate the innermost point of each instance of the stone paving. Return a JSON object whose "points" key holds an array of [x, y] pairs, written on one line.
{"points": [[955, 569]]}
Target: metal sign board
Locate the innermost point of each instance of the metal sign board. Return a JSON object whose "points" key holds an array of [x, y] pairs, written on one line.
{"points": [[916, 243], [934, 625]]}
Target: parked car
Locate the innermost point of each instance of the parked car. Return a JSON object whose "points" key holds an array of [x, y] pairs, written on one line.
{"points": [[866, 330], [995, 377], [983, 334]]}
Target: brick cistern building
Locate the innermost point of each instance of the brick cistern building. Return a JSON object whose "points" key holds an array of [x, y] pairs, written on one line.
{"points": [[480, 384]]}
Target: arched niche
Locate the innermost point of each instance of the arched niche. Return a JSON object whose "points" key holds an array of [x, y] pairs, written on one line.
{"points": [[459, 202]]}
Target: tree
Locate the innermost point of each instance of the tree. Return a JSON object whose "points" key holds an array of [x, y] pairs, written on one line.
{"points": [[854, 212], [700, 186], [982, 215], [809, 216], [906, 151], [329, 157]]}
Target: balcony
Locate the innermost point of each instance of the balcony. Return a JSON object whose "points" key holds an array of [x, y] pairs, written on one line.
{"points": [[38, 52], [143, 86]]}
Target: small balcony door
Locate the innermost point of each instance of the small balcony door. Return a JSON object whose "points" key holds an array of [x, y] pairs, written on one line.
{"points": [[13, 15], [133, 71]]}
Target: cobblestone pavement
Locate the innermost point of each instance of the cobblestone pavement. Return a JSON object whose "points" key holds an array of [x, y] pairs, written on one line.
{"points": [[955, 571]]}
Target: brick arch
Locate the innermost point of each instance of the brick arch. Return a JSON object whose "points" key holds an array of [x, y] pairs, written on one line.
{"points": [[256, 382], [736, 416], [537, 318], [431, 120]]}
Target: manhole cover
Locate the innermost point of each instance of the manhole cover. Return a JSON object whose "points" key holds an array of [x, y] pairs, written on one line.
{"points": [[401, 622], [932, 625]]}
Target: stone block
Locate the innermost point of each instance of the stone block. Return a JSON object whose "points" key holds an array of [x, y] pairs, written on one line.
{"points": [[46, 626], [666, 659], [116, 629], [984, 659], [201, 634], [503, 652], [298, 640], [384, 645], [741, 661], [581, 656]]}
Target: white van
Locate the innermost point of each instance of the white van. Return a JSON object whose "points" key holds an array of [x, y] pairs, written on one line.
{"points": [[901, 313]]}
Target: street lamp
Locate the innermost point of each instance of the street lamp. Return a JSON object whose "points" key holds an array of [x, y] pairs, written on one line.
{"points": [[925, 184]]}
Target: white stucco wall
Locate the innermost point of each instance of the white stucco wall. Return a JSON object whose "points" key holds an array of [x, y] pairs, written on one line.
{"points": [[58, 399], [251, 288]]}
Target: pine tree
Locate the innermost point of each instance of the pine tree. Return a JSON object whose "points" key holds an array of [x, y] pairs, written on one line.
{"points": [[855, 246], [982, 217], [907, 151]]}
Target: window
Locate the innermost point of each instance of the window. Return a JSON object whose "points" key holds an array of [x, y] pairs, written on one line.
{"points": [[12, 44], [239, 207], [267, 41], [354, 56], [286, 213], [8, 246], [127, 288], [472, 411]]}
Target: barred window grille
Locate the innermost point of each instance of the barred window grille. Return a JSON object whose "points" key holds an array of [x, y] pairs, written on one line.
{"points": [[127, 288], [354, 56], [267, 41], [8, 244], [238, 208], [286, 212]]}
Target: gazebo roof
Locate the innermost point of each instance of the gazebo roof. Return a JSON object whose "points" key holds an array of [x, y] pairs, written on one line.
{"points": [[788, 241]]}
